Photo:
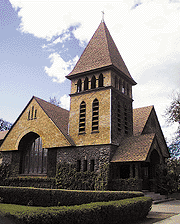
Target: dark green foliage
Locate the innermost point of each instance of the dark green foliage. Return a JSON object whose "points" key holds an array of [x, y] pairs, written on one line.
{"points": [[167, 176], [102, 179], [68, 178], [54, 197], [122, 211], [131, 184], [4, 172], [26, 181]]}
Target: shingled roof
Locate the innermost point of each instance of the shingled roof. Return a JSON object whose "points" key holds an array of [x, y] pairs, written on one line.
{"points": [[140, 117], [100, 52], [135, 148], [58, 115]]}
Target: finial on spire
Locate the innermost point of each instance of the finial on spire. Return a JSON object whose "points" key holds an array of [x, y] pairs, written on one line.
{"points": [[102, 16]]}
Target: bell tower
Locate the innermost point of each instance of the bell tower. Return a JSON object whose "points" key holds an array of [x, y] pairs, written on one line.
{"points": [[101, 94]]}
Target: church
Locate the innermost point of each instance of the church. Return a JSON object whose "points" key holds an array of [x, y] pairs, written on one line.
{"points": [[101, 128]]}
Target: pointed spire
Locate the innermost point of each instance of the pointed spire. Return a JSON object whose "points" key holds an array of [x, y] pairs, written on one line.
{"points": [[100, 52]]}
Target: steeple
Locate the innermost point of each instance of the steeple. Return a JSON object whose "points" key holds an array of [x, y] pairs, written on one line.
{"points": [[101, 52]]}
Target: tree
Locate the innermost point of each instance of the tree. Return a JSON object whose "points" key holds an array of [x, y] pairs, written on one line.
{"points": [[172, 112], [54, 101], [4, 125]]}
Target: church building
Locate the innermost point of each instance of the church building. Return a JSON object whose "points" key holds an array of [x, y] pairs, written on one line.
{"points": [[101, 128]]}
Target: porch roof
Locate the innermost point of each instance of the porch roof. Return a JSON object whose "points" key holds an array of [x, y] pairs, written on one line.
{"points": [[135, 148]]}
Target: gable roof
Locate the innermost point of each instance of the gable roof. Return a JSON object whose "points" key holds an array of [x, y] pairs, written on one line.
{"points": [[140, 117], [58, 115], [100, 52], [135, 148]]}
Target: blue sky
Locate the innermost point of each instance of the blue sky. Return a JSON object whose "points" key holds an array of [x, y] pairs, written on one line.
{"points": [[40, 42]]}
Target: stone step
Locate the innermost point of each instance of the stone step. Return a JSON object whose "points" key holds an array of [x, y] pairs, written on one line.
{"points": [[154, 196]]}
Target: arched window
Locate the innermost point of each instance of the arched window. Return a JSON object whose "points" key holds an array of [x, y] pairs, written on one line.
{"points": [[86, 83], [95, 115], [93, 82], [33, 156], [79, 86], [116, 82], [82, 117], [100, 80]]}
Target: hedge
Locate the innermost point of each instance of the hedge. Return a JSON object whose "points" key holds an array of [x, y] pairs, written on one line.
{"points": [[122, 211], [54, 197]]}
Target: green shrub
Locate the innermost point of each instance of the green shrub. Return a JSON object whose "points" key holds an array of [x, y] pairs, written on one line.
{"points": [[25, 181], [122, 211], [53, 197], [131, 184], [4, 172]]}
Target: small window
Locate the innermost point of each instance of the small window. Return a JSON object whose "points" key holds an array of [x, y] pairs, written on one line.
{"points": [[79, 86], [84, 165], [78, 166], [95, 115], [100, 80], [125, 120], [93, 82], [82, 117], [86, 84], [92, 165]]}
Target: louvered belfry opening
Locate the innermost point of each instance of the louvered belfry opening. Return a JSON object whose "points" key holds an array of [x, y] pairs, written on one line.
{"points": [[119, 117], [95, 115], [86, 83], [82, 117]]}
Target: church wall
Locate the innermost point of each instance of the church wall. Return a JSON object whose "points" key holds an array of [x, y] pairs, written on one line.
{"points": [[118, 131], [102, 136], [101, 154]]}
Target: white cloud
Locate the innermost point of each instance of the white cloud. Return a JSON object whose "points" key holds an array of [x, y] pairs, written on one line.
{"points": [[65, 102], [59, 68]]}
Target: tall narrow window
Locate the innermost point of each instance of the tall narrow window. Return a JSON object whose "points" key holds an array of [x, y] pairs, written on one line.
{"points": [[35, 114], [100, 80], [93, 82], [82, 117], [116, 82], [128, 90], [123, 87], [29, 115], [120, 85], [84, 165], [95, 115], [119, 117], [92, 165], [32, 112], [79, 86], [125, 120], [78, 166], [86, 83]]}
